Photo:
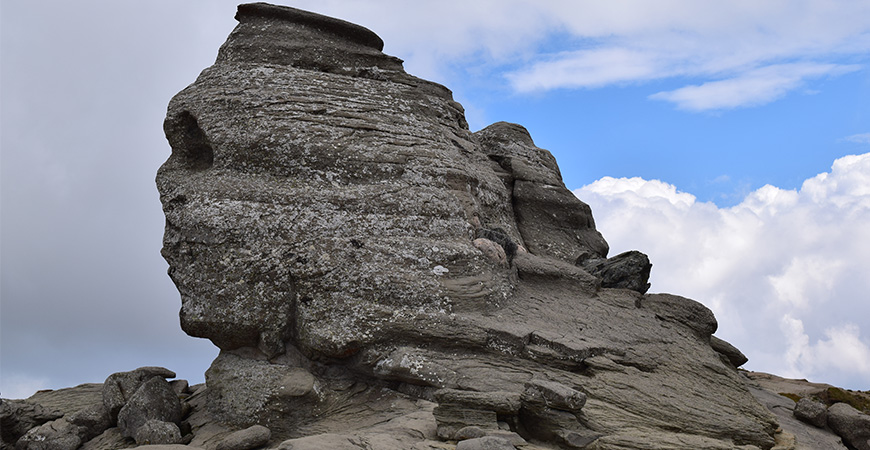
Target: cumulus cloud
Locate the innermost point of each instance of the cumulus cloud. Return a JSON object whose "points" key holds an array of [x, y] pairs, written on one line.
{"points": [[784, 270], [842, 349]]}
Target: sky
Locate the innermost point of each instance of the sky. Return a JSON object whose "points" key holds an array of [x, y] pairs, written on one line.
{"points": [[730, 141]]}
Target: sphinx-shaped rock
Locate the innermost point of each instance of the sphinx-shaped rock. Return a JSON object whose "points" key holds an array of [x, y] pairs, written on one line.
{"points": [[331, 219]]}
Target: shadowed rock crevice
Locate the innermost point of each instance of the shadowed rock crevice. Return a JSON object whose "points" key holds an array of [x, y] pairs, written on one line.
{"points": [[191, 148]]}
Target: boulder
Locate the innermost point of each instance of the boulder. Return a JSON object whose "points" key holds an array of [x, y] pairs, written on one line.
{"points": [[120, 387], [811, 411], [629, 270], [154, 400], [485, 443], [180, 387], [244, 392], [111, 439], [729, 352], [768, 389], [852, 425], [55, 435], [470, 432], [154, 432], [91, 421], [19, 416], [684, 311], [250, 438]]}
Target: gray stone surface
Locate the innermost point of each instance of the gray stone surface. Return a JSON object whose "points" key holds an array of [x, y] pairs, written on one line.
{"points": [[469, 432], [767, 388], [68, 400], [688, 312], [19, 416], [452, 418], [811, 411], [545, 393], [851, 425], [55, 435], [322, 209], [628, 270], [485, 443], [498, 402], [120, 387], [245, 392], [731, 354], [168, 447], [154, 432], [91, 421], [252, 437], [153, 400], [111, 439]]}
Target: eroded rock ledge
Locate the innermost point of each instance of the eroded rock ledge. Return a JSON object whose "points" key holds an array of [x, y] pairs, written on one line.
{"points": [[378, 276], [347, 236]]}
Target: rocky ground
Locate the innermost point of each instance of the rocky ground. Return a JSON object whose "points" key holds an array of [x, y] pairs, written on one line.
{"points": [[72, 418]]}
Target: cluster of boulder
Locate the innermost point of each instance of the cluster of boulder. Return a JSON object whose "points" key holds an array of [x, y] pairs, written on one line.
{"points": [[130, 409], [377, 276], [849, 423], [140, 405], [814, 415]]}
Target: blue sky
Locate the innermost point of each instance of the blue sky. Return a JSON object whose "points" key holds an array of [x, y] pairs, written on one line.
{"points": [[719, 156], [696, 130]]}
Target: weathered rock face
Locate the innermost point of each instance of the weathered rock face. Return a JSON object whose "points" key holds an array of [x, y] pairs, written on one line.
{"points": [[336, 229]]}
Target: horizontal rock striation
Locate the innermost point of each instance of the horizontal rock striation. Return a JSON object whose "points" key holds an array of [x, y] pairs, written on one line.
{"points": [[378, 276]]}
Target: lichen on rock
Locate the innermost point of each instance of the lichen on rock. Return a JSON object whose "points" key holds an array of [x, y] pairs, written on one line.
{"points": [[336, 229]]}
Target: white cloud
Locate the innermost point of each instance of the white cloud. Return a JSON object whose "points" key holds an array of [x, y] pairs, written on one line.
{"points": [[861, 138], [586, 69], [841, 349], [741, 47], [784, 270], [744, 53], [751, 88]]}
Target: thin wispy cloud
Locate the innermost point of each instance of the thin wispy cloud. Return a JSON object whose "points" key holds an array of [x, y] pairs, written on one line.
{"points": [[751, 88], [783, 270], [741, 53], [860, 138], [730, 54]]}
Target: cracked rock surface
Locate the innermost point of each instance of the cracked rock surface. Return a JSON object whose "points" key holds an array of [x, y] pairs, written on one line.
{"points": [[378, 276], [337, 230]]}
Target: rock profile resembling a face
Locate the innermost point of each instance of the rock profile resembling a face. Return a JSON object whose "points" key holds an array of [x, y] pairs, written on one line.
{"points": [[314, 188], [331, 221]]}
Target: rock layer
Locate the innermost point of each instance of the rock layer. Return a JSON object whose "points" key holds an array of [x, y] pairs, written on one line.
{"points": [[332, 218]]}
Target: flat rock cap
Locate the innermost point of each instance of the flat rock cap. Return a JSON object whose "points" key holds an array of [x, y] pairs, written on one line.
{"points": [[337, 27]]}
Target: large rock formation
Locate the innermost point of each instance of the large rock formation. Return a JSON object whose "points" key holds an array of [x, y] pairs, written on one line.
{"points": [[333, 226], [377, 276]]}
